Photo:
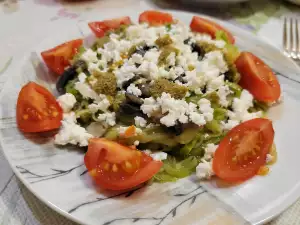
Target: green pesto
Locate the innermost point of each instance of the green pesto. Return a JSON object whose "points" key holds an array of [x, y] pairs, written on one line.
{"points": [[106, 83], [163, 85], [163, 41]]}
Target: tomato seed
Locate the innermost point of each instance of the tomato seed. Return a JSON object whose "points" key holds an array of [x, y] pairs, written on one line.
{"points": [[115, 168], [128, 165], [55, 114]]}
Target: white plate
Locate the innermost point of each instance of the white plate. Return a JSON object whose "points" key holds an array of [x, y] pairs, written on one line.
{"points": [[56, 175]]}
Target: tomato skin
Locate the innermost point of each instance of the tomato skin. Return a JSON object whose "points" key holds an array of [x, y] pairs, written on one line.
{"points": [[99, 28], [58, 58], [201, 25], [101, 151], [257, 78], [231, 171], [153, 17], [33, 102]]}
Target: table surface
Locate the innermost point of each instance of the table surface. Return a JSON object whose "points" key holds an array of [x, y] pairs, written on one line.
{"points": [[18, 205]]}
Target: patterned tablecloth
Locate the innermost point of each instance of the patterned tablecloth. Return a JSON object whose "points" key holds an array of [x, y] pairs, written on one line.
{"points": [[20, 18]]}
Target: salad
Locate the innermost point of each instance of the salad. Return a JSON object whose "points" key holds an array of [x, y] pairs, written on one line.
{"points": [[157, 100]]}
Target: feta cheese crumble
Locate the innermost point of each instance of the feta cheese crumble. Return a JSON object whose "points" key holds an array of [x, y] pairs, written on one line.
{"points": [[101, 105], [204, 169], [210, 151], [67, 102], [240, 111], [89, 56], [132, 89], [108, 117], [157, 156], [140, 121], [269, 158], [122, 130], [72, 133], [178, 110]]}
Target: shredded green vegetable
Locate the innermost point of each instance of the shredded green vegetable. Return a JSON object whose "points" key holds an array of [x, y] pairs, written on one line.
{"points": [[175, 168]]}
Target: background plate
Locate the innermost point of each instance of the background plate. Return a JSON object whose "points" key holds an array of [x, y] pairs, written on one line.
{"points": [[57, 175]]}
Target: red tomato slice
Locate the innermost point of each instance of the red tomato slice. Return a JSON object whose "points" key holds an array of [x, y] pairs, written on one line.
{"points": [[58, 58], [155, 18], [202, 25], [37, 109], [257, 78], [99, 28], [243, 151], [116, 167]]}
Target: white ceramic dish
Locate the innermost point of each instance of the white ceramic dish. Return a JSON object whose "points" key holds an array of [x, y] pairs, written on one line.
{"points": [[57, 175]]}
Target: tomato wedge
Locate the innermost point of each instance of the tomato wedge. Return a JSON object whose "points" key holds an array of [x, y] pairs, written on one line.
{"points": [[37, 109], [243, 151], [201, 25], [58, 58], [153, 17], [257, 78], [117, 167], [99, 28]]}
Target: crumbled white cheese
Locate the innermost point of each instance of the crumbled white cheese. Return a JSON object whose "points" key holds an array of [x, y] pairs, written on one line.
{"points": [[173, 110], [112, 50], [206, 109], [125, 73], [136, 58], [210, 151], [136, 143], [222, 93], [171, 59], [204, 169], [176, 110], [240, 108], [89, 56], [152, 55], [86, 91], [194, 80], [162, 72], [208, 71], [149, 106], [208, 39], [269, 158], [175, 72], [93, 68], [67, 102], [215, 83], [240, 111], [197, 118], [123, 129], [100, 105], [187, 59], [82, 77], [143, 33], [229, 124], [132, 89], [140, 121], [198, 91], [72, 133], [158, 156], [108, 117]]}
